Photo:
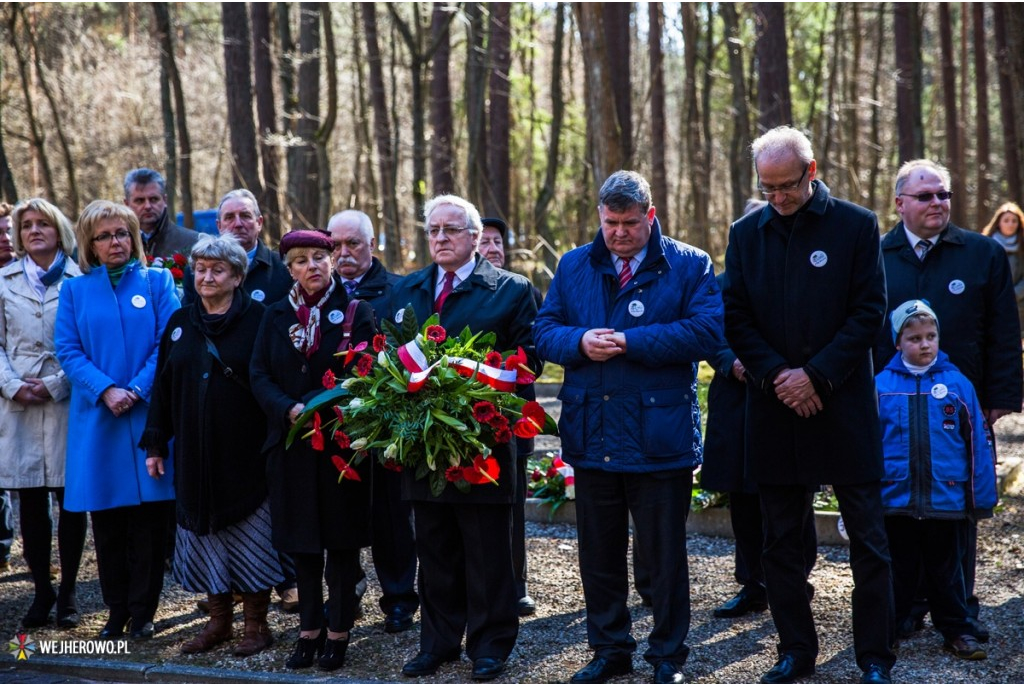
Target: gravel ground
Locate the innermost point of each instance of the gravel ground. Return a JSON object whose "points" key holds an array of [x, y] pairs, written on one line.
{"points": [[552, 644]]}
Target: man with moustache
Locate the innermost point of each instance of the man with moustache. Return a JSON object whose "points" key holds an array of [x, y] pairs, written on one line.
{"points": [[145, 193]]}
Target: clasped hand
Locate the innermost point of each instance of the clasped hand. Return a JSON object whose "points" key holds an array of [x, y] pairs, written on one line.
{"points": [[793, 387], [118, 400], [601, 344], [32, 392]]}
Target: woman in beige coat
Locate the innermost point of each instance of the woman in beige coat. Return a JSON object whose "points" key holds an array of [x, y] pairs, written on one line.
{"points": [[34, 414]]}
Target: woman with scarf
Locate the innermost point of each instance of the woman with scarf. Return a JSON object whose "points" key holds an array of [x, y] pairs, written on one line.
{"points": [[109, 323], [1007, 229], [312, 507], [34, 408], [203, 401]]}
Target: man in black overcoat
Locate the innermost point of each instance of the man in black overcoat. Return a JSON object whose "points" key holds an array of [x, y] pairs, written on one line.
{"points": [[463, 541], [804, 303]]}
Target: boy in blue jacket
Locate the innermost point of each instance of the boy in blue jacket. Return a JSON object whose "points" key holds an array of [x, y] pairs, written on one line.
{"points": [[939, 473]]}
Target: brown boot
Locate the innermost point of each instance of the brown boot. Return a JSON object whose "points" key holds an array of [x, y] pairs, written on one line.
{"points": [[217, 629], [257, 632]]}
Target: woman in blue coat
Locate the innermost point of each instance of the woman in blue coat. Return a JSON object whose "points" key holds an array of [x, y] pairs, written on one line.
{"points": [[109, 323]]}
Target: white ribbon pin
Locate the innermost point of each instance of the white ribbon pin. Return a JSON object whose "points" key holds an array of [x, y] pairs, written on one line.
{"points": [[336, 316], [939, 390], [258, 295], [138, 302], [957, 286], [819, 259], [176, 334], [636, 308]]}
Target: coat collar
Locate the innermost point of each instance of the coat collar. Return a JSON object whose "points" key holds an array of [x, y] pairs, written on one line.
{"points": [[484, 275], [601, 256], [896, 238], [818, 204], [21, 286]]}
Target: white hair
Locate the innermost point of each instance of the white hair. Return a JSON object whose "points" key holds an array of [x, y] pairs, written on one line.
{"points": [[780, 141], [472, 213]]}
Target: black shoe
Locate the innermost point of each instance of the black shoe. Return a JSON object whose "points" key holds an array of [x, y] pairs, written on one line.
{"points": [[668, 672], [788, 669], [488, 668], [306, 649], [979, 629], [740, 605], [38, 614], [876, 674], [143, 632], [67, 610], [425, 663], [333, 656], [113, 629], [908, 626], [398, 620], [527, 607], [600, 670]]}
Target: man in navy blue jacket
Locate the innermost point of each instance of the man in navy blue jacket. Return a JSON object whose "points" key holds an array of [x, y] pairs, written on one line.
{"points": [[628, 316]]}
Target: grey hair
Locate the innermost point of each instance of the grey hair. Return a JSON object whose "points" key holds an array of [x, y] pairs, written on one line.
{"points": [[365, 224], [624, 190], [779, 141], [223, 248], [241, 194], [903, 175], [143, 177], [472, 213]]}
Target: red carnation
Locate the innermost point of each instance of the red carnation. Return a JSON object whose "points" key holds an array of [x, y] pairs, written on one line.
{"points": [[484, 411], [328, 379], [502, 435], [493, 359], [342, 440], [318, 436], [379, 342], [338, 413], [364, 365], [498, 421], [453, 474], [436, 334]]}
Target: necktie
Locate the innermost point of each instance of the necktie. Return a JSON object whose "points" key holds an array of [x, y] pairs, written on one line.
{"points": [[922, 248], [350, 287], [446, 290], [625, 274]]}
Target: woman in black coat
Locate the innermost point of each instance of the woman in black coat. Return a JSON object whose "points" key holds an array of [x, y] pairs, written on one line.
{"points": [[311, 510], [201, 400]]}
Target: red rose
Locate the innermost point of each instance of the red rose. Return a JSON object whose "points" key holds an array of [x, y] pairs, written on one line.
{"points": [[342, 440], [364, 365], [177, 273], [179, 259], [482, 471], [493, 359], [453, 474], [484, 411], [318, 437], [536, 475], [379, 343], [328, 379], [502, 435], [436, 334]]}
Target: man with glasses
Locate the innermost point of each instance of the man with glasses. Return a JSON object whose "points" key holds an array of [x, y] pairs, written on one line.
{"points": [[965, 278], [463, 541], [804, 302]]}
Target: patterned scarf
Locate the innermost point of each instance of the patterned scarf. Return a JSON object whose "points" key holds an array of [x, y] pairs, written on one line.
{"points": [[305, 335]]}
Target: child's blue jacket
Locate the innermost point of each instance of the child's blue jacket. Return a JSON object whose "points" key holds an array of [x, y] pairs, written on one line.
{"points": [[938, 462]]}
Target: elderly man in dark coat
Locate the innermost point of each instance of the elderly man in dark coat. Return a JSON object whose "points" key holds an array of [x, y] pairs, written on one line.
{"points": [[804, 304], [965, 278], [456, 532]]}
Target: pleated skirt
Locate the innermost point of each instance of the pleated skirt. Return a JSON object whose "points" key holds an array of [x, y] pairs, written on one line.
{"points": [[239, 558]]}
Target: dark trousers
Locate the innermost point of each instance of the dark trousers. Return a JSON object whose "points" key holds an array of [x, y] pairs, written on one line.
{"points": [[519, 519], [784, 508], [394, 543], [659, 504], [341, 572], [37, 537], [937, 547], [466, 580], [748, 530], [130, 552], [6, 526]]}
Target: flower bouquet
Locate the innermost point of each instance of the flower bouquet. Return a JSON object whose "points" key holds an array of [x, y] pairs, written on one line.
{"points": [[427, 401], [552, 481], [174, 263]]}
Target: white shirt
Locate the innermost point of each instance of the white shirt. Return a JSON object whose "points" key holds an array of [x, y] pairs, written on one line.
{"points": [[461, 274], [914, 240], [634, 262]]}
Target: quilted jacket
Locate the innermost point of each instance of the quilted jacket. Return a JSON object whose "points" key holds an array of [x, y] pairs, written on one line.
{"points": [[938, 463], [636, 412]]}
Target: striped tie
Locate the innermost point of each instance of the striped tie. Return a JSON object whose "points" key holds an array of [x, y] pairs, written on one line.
{"points": [[625, 274], [922, 248]]}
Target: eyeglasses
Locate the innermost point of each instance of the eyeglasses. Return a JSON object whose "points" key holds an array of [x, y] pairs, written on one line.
{"points": [[942, 195], [788, 188], [104, 238], [449, 231]]}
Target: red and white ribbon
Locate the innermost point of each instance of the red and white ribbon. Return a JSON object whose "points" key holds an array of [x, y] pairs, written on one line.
{"points": [[415, 361]]}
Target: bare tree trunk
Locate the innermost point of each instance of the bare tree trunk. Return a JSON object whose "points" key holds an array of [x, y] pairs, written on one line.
{"points": [[698, 211], [266, 116], [739, 143], [908, 80], [323, 134], [853, 86], [162, 29], [365, 160], [183, 160], [441, 158], [382, 133], [476, 102], [238, 80], [659, 181], [604, 135], [953, 149], [499, 50], [875, 142], [1014, 16], [1007, 107], [773, 98], [617, 61], [824, 150], [541, 219], [984, 135], [290, 103], [36, 136], [303, 186], [8, 188]]}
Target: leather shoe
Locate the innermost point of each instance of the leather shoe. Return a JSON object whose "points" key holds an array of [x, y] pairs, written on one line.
{"points": [[876, 674], [143, 632], [600, 670], [426, 663], [398, 620], [788, 669], [668, 672], [527, 607], [289, 601], [980, 630], [965, 647], [488, 668], [740, 605]]}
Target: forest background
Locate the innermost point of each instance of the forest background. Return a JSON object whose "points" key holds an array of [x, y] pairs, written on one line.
{"points": [[524, 108]]}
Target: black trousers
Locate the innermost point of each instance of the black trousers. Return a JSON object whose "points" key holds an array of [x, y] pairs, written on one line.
{"points": [[130, 552], [659, 504], [937, 547], [394, 542], [341, 572], [37, 537], [785, 508], [466, 580], [519, 518]]}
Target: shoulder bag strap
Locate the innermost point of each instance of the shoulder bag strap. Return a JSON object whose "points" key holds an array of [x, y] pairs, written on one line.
{"points": [[228, 371]]}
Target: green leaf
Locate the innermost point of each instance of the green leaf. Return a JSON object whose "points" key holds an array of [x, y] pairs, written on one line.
{"points": [[318, 402], [445, 418], [410, 326], [437, 483]]}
